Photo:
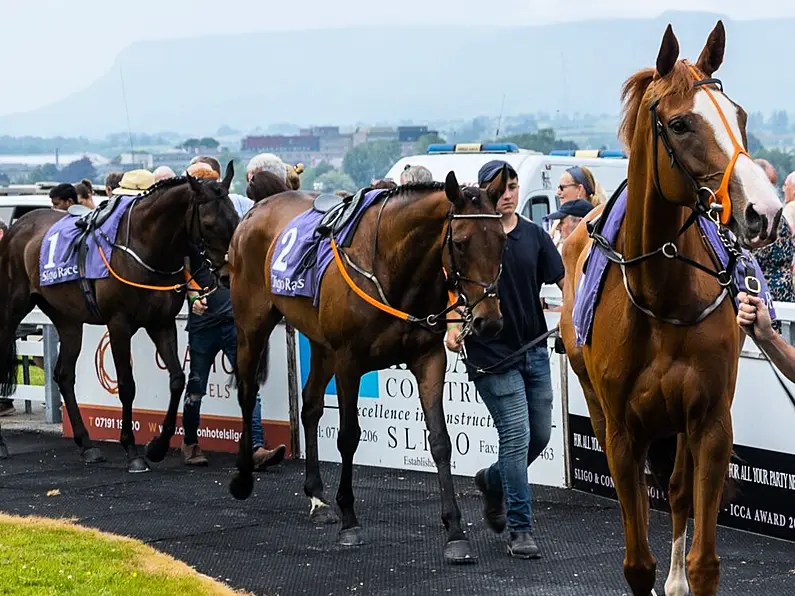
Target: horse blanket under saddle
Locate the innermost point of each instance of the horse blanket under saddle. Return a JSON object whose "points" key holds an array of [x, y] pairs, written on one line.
{"points": [[58, 259], [295, 270], [592, 281]]}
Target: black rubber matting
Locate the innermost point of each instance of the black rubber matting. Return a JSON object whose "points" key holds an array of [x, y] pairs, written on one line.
{"points": [[268, 546]]}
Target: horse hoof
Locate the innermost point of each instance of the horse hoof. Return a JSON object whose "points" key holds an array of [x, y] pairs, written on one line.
{"points": [[241, 486], [3, 452], [156, 450], [93, 456], [352, 537], [323, 515], [137, 465], [459, 552]]}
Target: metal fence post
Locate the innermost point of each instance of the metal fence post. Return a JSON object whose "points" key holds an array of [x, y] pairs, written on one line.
{"points": [[52, 395], [293, 385]]}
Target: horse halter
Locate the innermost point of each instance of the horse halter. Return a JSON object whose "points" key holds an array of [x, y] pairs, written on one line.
{"points": [[719, 209], [458, 297]]}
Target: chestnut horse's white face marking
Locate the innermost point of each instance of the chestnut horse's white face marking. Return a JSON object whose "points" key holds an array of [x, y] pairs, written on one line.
{"points": [[756, 187]]}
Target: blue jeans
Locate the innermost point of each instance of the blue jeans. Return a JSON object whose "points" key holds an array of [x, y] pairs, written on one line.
{"points": [[519, 400], [205, 343]]}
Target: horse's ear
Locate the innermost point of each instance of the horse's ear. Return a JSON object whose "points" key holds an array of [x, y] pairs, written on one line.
{"points": [[502, 185], [452, 190], [195, 185], [669, 53], [230, 174], [712, 55]]}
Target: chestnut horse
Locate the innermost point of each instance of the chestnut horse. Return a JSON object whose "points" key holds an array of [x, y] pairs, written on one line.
{"points": [[144, 288], [423, 244], [662, 360]]}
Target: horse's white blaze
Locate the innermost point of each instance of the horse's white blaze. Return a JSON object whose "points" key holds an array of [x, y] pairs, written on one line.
{"points": [[316, 504], [676, 584], [756, 186]]}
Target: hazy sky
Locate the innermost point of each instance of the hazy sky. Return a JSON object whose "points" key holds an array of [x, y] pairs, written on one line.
{"points": [[51, 48]]}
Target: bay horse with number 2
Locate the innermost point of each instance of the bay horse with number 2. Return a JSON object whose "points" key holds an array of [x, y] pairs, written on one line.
{"points": [[425, 246], [144, 288], [662, 360]]}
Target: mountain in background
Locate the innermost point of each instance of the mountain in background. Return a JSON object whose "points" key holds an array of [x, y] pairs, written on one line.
{"points": [[398, 73]]}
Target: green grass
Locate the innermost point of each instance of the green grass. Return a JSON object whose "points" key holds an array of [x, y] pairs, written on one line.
{"points": [[45, 557]]}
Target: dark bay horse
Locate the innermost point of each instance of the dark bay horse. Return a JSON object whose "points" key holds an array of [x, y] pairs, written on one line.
{"points": [[151, 242], [416, 249], [662, 359]]}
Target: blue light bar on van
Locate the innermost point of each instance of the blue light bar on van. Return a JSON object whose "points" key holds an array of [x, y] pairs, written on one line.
{"points": [[589, 153], [473, 148]]}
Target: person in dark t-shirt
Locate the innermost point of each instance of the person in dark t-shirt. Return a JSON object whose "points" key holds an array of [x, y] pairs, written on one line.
{"points": [[211, 329], [517, 389]]}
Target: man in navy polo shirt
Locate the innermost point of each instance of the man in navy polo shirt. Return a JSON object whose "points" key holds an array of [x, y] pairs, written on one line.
{"points": [[517, 390]]}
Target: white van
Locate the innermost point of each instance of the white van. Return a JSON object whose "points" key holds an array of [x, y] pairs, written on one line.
{"points": [[538, 173], [14, 207]]}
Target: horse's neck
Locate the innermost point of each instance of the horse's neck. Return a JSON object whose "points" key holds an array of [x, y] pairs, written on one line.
{"points": [[410, 242], [158, 222], [667, 286]]}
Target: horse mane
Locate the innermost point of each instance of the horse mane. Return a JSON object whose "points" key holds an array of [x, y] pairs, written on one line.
{"points": [[168, 183], [635, 88], [418, 187]]}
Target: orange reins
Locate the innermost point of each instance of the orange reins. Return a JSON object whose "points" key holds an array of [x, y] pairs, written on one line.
{"points": [[189, 279]]}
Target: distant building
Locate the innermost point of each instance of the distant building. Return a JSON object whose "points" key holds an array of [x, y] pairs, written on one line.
{"points": [[139, 159], [409, 135], [304, 148], [374, 133]]}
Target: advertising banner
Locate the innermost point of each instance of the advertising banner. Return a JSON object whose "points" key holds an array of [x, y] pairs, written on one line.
{"points": [[394, 434], [96, 388], [764, 467]]}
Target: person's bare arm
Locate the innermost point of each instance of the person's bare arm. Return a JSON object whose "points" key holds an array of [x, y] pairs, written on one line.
{"points": [[754, 319]]}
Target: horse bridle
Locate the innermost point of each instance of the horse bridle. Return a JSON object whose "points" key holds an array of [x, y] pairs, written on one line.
{"points": [[718, 211], [458, 298], [201, 247]]}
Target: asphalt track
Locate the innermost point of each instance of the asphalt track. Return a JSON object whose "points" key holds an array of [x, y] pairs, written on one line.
{"points": [[268, 546]]}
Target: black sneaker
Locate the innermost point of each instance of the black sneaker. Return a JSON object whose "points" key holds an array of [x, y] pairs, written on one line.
{"points": [[493, 504], [523, 546]]}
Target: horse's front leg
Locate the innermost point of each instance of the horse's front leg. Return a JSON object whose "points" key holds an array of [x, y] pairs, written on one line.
{"points": [[165, 340], [711, 442], [429, 369], [120, 334], [627, 459], [348, 377]]}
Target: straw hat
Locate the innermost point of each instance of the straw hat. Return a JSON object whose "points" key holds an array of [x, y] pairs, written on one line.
{"points": [[135, 182]]}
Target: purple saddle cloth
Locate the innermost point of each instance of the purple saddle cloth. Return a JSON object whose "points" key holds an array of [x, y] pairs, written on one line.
{"points": [[592, 280], [288, 276], [58, 257]]}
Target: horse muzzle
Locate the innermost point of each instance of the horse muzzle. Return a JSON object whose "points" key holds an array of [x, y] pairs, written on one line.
{"points": [[224, 278], [487, 326], [759, 229]]}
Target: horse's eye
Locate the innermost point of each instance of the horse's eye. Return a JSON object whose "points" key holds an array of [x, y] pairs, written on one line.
{"points": [[460, 244], [678, 126]]}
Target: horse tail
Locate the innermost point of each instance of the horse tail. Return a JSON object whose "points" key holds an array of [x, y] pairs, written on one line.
{"points": [[8, 343], [262, 368], [661, 458]]}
